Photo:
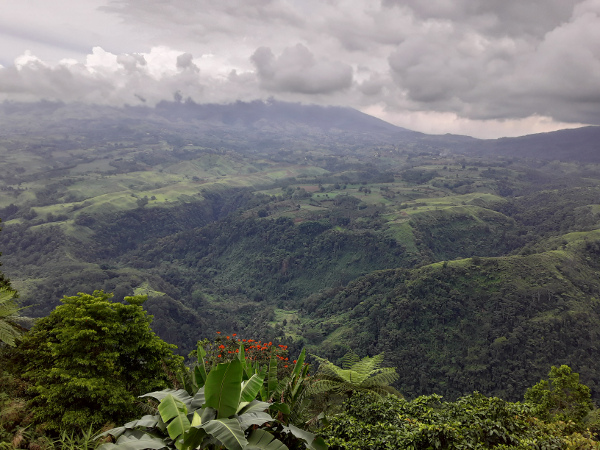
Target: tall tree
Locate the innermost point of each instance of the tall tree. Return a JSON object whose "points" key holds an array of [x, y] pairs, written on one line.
{"points": [[562, 397], [89, 360]]}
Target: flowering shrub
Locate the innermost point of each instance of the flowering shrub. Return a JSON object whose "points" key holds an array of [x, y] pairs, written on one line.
{"points": [[226, 348]]}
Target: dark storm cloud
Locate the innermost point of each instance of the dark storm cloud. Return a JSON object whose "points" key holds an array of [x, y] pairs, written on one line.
{"points": [[297, 70]]}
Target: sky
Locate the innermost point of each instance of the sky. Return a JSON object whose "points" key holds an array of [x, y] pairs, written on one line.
{"points": [[484, 68]]}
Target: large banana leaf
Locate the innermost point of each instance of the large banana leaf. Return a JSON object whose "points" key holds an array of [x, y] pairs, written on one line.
{"points": [[228, 432], [134, 443], [263, 440], [299, 363], [272, 381], [198, 400], [254, 418], [193, 437], [223, 387], [207, 414], [254, 406], [180, 394], [174, 410], [283, 407], [148, 421], [246, 368], [312, 442], [252, 387], [200, 368]]}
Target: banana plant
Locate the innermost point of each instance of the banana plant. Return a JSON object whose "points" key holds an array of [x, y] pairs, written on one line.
{"points": [[293, 390], [223, 413]]}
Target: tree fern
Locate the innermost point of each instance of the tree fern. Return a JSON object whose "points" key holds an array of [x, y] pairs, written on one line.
{"points": [[355, 374], [9, 311]]}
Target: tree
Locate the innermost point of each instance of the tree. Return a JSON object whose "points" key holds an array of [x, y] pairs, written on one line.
{"points": [[89, 360], [563, 397], [355, 375]]}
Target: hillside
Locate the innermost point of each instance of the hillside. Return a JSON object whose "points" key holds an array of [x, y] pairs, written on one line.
{"points": [[484, 324], [581, 145], [270, 216]]}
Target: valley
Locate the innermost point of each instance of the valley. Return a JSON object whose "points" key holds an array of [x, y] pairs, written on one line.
{"points": [[323, 228]]}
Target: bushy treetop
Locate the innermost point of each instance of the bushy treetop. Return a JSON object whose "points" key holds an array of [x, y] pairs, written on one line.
{"points": [[89, 360]]}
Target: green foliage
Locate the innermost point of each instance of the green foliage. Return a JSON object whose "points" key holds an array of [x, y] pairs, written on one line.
{"points": [[494, 327], [355, 375], [471, 422], [561, 397], [219, 414], [9, 311], [294, 391], [88, 360], [419, 176]]}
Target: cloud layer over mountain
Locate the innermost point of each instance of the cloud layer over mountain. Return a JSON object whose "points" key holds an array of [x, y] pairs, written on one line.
{"points": [[450, 65]]}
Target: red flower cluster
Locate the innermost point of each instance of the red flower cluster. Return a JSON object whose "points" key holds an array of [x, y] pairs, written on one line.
{"points": [[225, 348]]}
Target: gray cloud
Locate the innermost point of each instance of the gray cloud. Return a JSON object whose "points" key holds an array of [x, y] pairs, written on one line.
{"points": [[297, 70], [458, 69], [131, 62], [205, 18], [118, 79], [186, 61], [474, 60], [500, 17]]}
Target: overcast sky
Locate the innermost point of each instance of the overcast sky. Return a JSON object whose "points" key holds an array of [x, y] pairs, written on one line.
{"points": [[485, 68]]}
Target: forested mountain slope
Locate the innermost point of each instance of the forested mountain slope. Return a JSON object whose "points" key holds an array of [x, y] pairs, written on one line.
{"points": [[580, 144], [485, 324], [321, 226]]}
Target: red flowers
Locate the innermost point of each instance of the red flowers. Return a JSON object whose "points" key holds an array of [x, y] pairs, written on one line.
{"points": [[227, 347]]}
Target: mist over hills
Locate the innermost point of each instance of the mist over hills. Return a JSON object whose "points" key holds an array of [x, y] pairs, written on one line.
{"points": [[579, 144], [270, 123], [276, 124], [256, 115]]}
